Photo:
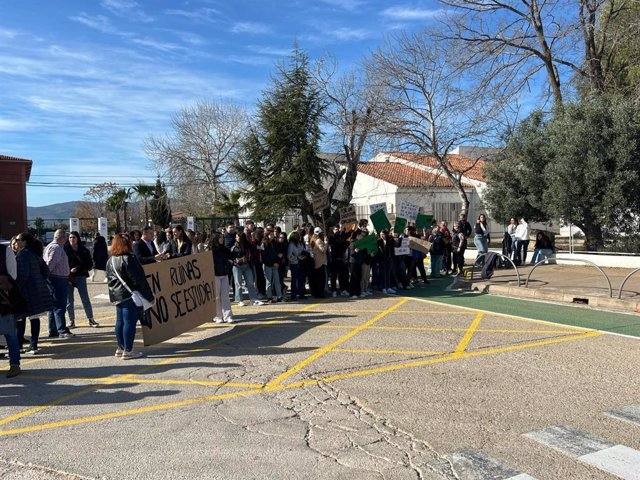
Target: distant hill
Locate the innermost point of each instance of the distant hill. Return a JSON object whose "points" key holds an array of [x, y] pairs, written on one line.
{"points": [[56, 210]]}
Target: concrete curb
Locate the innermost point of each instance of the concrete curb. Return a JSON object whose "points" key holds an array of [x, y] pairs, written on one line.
{"points": [[601, 303]]}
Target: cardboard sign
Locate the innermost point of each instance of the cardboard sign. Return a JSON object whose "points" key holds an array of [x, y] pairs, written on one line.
{"points": [[320, 201], [408, 210], [185, 296], [378, 206], [399, 225], [348, 215], [370, 242], [423, 221], [403, 249], [418, 244], [380, 221]]}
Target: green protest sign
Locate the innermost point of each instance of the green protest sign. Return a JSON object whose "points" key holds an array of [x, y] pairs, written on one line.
{"points": [[399, 225], [380, 221], [423, 221], [370, 242]]}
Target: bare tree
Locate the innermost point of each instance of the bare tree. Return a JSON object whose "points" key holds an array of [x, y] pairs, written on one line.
{"points": [[433, 104], [517, 39], [197, 156], [95, 204], [354, 109]]}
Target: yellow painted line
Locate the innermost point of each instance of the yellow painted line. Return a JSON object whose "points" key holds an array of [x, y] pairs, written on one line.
{"points": [[331, 346], [450, 357], [129, 412], [388, 352], [293, 385], [468, 334], [506, 315], [62, 399]]}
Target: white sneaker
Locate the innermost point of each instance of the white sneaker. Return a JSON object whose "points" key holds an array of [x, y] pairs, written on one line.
{"points": [[345, 293], [228, 320], [217, 320], [258, 303], [334, 294], [131, 355], [385, 291], [119, 352], [242, 304], [354, 296], [391, 291], [363, 295]]}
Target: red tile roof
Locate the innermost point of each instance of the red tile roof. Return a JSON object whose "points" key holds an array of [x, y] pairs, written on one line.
{"points": [[403, 175], [470, 168]]}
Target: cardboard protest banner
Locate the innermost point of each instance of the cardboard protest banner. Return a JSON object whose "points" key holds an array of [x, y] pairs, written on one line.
{"points": [[370, 242], [423, 221], [403, 249], [380, 221], [408, 210], [378, 206], [320, 201], [399, 225], [348, 215], [418, 244], [185, 296]]}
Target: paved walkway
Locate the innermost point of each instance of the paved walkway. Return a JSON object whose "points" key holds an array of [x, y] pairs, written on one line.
{"points": [[586, 280]]}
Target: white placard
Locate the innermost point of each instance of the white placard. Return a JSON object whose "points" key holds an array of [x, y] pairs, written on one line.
{"points": [[103, 226], [404, 248], [74, 225], [378, 206], [191, 223], [408, 210]]}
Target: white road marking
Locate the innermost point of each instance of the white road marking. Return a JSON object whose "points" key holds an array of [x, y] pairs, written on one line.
{"points": [[102, 296], [619, 460]]}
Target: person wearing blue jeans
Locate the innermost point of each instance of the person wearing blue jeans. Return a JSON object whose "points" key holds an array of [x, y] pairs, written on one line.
{"points": [[244, 271], [57, 322], [79, 283], [297, 281], [13, 345], [127, 316]]}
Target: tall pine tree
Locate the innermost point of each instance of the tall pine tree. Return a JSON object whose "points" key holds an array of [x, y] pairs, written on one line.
{"points": [[281, 167]]}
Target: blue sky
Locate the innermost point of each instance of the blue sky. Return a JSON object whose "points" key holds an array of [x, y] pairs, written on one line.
{"points": [[84, 82]]}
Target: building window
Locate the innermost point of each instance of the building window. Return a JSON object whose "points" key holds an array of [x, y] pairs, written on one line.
{"points": [[446, 211]]}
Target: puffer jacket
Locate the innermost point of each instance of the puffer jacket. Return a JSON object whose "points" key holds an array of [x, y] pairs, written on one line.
{"points": [[79, 259], [131, 271], [33, 283]]}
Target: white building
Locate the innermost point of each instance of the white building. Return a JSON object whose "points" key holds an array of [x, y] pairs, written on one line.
{"points": [[394, 177]]}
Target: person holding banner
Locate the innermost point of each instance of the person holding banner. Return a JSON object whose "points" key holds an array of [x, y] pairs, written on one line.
{"points": [[182, 245], [126, 279], [222, 264]]}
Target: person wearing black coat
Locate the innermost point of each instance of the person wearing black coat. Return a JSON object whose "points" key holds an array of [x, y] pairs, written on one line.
{"points": [[99, 256], [80, 264], [145, 249], [222, 265], [33, 282], [124, 276], [182, 245]]}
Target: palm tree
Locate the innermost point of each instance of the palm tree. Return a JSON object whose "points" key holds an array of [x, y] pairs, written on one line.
{"points": [[116, 202], [145, 192]]}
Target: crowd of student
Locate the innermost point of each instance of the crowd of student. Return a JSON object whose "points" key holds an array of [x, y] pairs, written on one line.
{"points": [[250, 262]]}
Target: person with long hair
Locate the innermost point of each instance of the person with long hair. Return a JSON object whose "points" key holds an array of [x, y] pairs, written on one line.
{"points": [[80, 264], [222, 264], [33, 282], [242, 270], [295, 256], [125, 275], [182, 245], [319, 251], [100, 255], [385, 253], [481, 238]]}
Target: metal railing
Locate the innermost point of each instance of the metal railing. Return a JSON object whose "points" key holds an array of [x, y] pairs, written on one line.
{"points": [[526, 285], [499, 255], [625, 281]]}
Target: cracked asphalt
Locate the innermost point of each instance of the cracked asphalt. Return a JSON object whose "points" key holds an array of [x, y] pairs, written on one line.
{"points": [[382, 388]]}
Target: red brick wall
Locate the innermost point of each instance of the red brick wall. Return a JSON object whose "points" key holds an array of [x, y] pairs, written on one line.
{"points": [[13, 198]]}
